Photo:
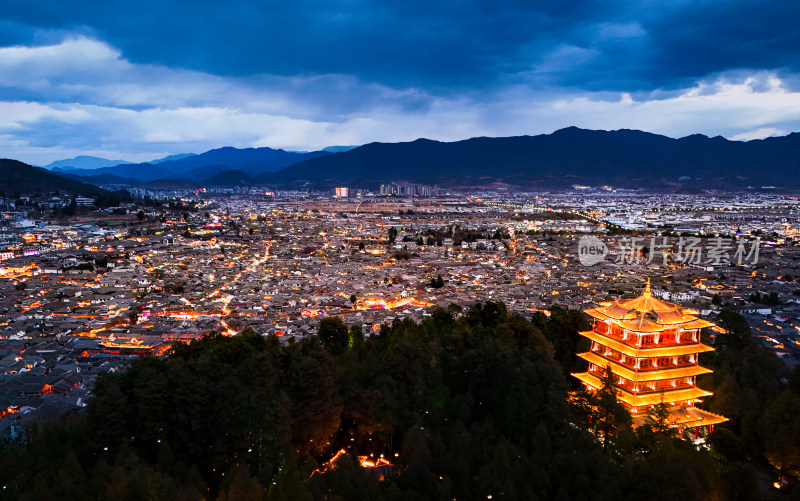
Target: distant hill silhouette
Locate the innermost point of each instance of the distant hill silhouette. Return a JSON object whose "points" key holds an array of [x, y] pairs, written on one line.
{"points": [[16, 176], [623, 158], [252, 161], [170, 158], [101, 180], [228, 178], [338, 149], [83, 162]]}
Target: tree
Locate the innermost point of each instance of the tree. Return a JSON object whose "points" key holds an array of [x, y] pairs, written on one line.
{"points": [[658, 418], [140, 215], [725, 443], [656, 424], [794, 380], [612, 416], [71, 209], [333, 332], [355, 336], [779, 428], [454, 309], [736, 327], [392, 233]]}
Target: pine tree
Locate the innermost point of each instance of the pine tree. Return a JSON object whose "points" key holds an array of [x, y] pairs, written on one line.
{"points": [[611, 415]]}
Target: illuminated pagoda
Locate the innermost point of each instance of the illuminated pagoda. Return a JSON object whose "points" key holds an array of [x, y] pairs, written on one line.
{"points": [[652, 349]]}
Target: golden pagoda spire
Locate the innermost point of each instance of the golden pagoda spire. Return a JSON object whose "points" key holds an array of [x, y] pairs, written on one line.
{"points": [[647, 287]]}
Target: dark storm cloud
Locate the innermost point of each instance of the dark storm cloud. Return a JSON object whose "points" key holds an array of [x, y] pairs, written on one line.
{"points": [[714, 37], [136, 78], [451, 43]]}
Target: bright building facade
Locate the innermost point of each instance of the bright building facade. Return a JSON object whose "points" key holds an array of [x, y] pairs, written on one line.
{"points": [[652, 348]]}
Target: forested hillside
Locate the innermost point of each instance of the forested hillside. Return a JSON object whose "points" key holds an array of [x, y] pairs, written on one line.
{"points": [[466, 405]]}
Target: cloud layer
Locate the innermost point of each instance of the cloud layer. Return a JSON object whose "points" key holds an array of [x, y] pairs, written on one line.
{"points": [[141, 81]]}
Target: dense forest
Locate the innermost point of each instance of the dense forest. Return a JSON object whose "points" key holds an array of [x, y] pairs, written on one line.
{"points": [[473, 404]]}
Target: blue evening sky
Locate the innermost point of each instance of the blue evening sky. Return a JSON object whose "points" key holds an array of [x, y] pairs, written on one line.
{"points": [[146, 78]]}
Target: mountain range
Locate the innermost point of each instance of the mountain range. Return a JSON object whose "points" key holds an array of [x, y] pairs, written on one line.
{"points": [[572, 156], [622, 158], [193, 168]]}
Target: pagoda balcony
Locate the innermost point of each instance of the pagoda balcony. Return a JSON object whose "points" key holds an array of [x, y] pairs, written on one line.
{"points": [[670, 382], [669, 337], [660, 350], [651, 374], [640, 398]]}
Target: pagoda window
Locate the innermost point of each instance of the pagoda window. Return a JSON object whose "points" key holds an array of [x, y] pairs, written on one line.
{"points": [[601, 327], [616, 330], [648, 339], [663, 361]]}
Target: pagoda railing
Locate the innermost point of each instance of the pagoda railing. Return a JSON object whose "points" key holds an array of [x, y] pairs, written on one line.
{"points": [[671, 338], [648, 387]]}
